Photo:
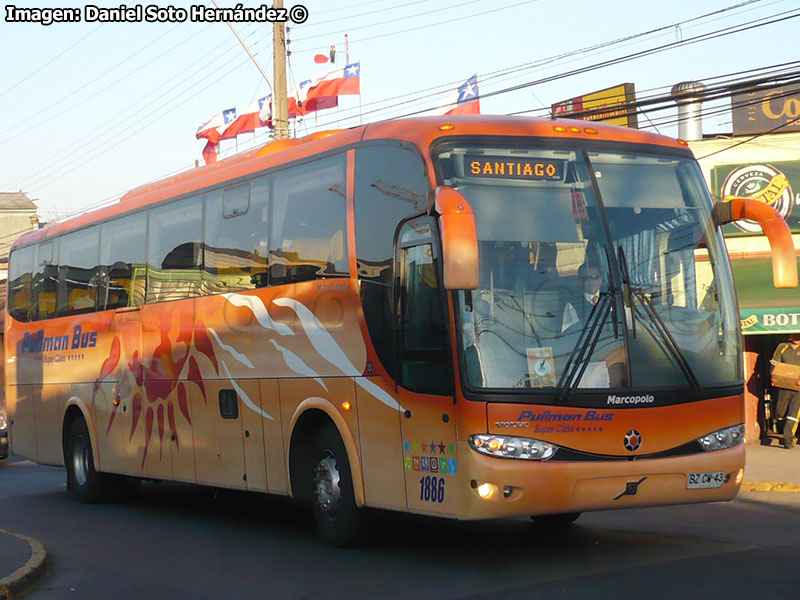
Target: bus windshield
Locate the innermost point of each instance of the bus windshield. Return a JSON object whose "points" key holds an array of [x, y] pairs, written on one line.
{"points": [[598, 269]]}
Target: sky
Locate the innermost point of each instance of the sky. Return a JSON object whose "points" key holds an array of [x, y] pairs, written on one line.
{"points": [[91, 109]]}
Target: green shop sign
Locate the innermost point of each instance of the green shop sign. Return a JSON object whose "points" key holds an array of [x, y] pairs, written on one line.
{"points": [[774, 183], [764, 320]]}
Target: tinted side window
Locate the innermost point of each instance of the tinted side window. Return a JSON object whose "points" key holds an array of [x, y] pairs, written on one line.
{"points": [[235, 239], [390, 185], [77, 272], [45, 281], [123, 246], [309, 222], [173, 251], [19, 287]]}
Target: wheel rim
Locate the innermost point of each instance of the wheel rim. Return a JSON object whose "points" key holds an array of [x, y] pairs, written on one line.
{"points": [[80, 460], [327, 492]]}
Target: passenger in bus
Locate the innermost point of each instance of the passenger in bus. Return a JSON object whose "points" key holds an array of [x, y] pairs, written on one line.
{"points": [[577, 309], [788, 400]]}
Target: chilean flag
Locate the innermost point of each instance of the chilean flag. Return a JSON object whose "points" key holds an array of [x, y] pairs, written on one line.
{"points": [[344, 81], [463, 101], [302, 104], [216, 126], [248, 121]]}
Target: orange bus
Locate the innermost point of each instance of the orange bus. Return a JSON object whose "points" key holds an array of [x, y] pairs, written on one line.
{"points": [[471, 317]]}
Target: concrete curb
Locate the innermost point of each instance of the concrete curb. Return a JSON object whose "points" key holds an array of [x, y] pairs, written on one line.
{"points": [[31, 572], [770, 486]]}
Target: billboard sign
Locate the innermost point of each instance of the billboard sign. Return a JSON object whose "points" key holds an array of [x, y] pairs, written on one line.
{"points": [[761, 110], [611, 105], [775, 183]]}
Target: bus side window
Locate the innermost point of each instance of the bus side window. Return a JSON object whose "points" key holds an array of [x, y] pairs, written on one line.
{"points": [[308, 238], [45, 282], [122, 256], [77, 272], [19, 277], [235, 237], [173, 251]]}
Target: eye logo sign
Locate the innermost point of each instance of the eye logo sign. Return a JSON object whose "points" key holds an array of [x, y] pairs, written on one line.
{"points": [[633, 440], [764, 183]]}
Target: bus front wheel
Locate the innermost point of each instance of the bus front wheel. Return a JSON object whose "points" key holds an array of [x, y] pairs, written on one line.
{"points": [[555, 521], [339, 520]]}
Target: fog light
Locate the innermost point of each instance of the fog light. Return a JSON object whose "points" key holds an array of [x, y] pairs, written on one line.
{"points": [[739, 476], [486, 490], [507, 491]]}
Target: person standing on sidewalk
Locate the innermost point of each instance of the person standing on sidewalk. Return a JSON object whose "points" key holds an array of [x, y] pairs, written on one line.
{"points": [[788, 400]]}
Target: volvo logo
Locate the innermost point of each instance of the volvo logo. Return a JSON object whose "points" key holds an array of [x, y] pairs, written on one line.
{"points": [[633, 439]]}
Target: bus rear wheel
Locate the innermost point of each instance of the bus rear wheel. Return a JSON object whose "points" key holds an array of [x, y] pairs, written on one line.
{"points": [[83, 480], [339, 520], [555, 521]]}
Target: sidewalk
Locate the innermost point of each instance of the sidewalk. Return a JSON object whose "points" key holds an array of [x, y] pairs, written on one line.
{"points": [[771, 468], [23, 558]]}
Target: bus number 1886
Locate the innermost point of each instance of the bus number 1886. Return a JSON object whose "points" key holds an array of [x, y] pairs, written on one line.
{"points": [[431, 488]]}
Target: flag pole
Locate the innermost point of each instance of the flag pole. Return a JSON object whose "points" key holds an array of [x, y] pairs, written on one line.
{"points": [[246, 49]]}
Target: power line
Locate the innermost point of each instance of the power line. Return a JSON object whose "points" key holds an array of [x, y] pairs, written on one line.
{"points": [[60, 54], [385, 35], [378, 24], [595, 66], [111, 125]]}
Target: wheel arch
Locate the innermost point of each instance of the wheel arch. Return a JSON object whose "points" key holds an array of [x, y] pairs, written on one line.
{"points": [[311, 414]]}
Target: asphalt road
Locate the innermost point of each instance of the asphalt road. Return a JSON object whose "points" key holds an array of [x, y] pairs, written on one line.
{"points": [[180, 542]]}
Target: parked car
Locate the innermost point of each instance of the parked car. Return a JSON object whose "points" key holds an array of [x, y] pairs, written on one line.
{"points": [[3, 436]]}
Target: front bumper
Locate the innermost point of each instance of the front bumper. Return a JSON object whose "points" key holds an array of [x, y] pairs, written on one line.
{"points": [[538, 488]]}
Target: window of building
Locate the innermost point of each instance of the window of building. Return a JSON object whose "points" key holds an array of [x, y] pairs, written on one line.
{"points": [[122, 256], [309, 222], [77, 271], [235, 238], [174, 251]]}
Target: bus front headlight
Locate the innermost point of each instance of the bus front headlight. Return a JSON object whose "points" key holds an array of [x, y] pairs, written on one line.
{"points": [[3, 421], [512, 447], [724, 438]]}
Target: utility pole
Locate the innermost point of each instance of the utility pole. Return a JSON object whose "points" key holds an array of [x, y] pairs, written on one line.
{"points": [[280, 104]]}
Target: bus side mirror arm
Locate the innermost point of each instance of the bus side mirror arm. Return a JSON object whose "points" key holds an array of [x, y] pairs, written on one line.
{"points": [[459, 238], [784, 258]]}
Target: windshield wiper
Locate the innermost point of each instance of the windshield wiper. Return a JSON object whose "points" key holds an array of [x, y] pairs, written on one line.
{"points": [[666, 336], [584, 348], [661, 328]]}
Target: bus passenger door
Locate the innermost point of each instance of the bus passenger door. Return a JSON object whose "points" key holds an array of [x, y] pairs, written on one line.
{"points": [[425, 388], [118, 404]]}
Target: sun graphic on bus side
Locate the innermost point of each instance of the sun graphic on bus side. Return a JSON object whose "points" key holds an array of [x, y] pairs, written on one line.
{"points": [[158, 378]]}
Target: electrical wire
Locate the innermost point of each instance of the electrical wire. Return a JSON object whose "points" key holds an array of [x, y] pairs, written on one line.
{"points": [[58, 55]]}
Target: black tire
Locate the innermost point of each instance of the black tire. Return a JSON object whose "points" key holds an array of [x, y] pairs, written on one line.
{"points": [[83, 481], [558, 521], [339, 521]]}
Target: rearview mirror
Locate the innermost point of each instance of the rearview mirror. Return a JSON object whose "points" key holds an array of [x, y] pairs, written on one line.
{"points": [[784, 258], [459, 239]]}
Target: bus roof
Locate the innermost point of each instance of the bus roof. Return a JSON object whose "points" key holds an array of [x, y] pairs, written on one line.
{"points": [[420, 131]]}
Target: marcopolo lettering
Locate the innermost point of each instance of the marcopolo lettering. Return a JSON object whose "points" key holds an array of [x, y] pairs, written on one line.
{"points": [[644, 399], [37, 342]]}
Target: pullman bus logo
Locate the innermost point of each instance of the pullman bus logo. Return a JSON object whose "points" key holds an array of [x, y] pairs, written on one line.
{"points": [[633, 440], [764, 183]]}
